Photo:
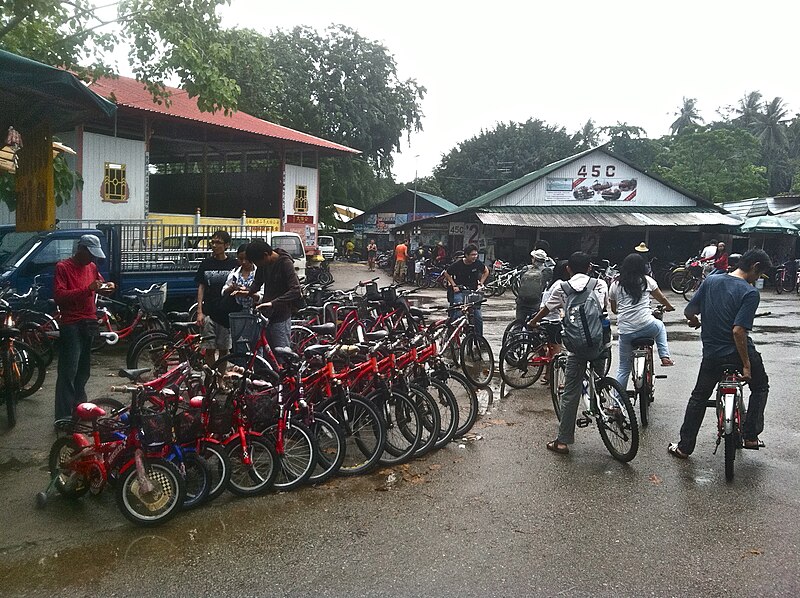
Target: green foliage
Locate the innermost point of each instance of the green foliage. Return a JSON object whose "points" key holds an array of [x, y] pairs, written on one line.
{"points": [[492, 158], [688, 117], [167, 38], [64, 181], [351, 181]]}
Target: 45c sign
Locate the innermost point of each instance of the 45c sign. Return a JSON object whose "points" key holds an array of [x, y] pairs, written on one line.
{"points": [[470, 231]]}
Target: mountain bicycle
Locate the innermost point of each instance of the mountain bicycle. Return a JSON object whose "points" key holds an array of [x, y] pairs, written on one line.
{"points": [[457, 339], [523, 360], [605, 401], [642, 371]]}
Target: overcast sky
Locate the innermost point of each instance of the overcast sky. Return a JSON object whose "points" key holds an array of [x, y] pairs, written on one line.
{"points": [[561, 62]]}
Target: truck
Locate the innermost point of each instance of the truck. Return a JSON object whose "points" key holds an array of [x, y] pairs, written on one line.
{"points": [[138, 254]]}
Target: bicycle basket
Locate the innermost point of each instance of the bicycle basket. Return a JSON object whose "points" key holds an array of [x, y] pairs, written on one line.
{"points": [[371, 291], [389, 294], [260, 409], [153, 301], [188, 425], [245, 332], [221, 419], [156, 429]]}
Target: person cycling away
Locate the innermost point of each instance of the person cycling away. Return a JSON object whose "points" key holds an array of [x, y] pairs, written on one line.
{"points": [[720, 260], [629, 298], [532, 284], [578, 266], [466, 276], [727, 305]]}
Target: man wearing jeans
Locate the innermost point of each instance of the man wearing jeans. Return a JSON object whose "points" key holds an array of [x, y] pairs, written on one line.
{"points": [[76, 283], [466, 276], [726, 305]]}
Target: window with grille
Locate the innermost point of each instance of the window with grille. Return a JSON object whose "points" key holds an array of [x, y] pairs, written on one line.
{"points": [[300, 199], [115, 188]]}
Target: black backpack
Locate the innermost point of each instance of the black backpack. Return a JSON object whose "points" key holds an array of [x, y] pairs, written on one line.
{"points": [[583, 321]]}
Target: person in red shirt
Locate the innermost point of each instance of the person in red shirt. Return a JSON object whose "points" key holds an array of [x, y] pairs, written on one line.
{"points": [[400, 257], [721, 260], [76, 283]]}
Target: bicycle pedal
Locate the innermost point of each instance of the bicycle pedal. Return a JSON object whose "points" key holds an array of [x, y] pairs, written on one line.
{"points": [[583, 422], [661, 377]]}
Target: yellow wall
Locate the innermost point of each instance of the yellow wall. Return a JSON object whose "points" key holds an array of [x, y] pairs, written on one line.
{"points": [[187, 219]]}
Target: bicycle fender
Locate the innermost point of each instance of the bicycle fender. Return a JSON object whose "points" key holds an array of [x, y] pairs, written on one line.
{"points": [[730, 403]]}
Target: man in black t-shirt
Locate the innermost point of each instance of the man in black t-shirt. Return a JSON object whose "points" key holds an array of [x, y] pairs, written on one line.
{"points": [[212, 317], [467, 275]]}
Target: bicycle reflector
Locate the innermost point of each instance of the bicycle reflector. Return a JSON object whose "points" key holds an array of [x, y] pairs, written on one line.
{"points": [[728, 389]]}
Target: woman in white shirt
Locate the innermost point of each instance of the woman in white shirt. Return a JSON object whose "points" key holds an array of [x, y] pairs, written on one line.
{"points": [[629, 296], [240, 279]]}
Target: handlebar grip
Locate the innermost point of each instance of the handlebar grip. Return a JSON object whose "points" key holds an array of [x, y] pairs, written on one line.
{"points": [[124, 388]]}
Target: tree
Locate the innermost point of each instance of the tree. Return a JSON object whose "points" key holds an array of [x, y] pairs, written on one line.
{"points": [[588, 136], [502, 154], [166, 38], [688, 117], [749, 106], [630, 142]]}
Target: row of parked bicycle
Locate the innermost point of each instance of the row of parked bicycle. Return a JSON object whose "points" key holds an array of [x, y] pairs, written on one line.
{"points": [[365, 383]]}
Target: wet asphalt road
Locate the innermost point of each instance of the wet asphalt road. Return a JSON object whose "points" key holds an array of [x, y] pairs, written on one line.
{"points": [[495, 515]]}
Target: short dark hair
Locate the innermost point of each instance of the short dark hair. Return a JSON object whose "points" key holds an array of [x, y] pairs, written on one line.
{"points": [[223, 236], [257, 249], [242, 248], [560, 271], [712, 242], [579, 263], [543, 245], [752, 257], [470, 248]]}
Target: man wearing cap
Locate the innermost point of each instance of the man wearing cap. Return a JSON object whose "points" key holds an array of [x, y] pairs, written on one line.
{"points": [[532, 284], [76, 283], [644, 251]]}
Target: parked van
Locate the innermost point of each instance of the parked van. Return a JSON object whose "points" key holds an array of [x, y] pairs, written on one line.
{"points": [[327, 246]]}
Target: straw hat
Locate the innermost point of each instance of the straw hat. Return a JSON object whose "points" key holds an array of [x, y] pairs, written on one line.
{"points": [[642, 248]]}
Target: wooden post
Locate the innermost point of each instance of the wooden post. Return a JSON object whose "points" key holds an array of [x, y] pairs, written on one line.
{"points": [[36, 206]]}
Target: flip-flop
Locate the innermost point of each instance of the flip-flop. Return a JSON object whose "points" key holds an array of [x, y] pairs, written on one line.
{"points": [[553, 446], [673, 450]]}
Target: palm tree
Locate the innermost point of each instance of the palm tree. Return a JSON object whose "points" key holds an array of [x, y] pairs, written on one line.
{"points": [[749, 107], [588, 135], [769, 125], [688, 116]]}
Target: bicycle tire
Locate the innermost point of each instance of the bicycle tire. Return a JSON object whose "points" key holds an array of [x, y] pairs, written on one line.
{"points": [[299, 457], [678, 279], [219, 465], [257, 477], [149, 352], [301, 337], [516, 362], [730, 455], [35, 335], [331, 445], [643, 393], [514, 328], [691, 288], [148, 510], [477, 360], [466, 399], [364, 432], [622, 427], [62, 451], [197, 476], [778, 282], [448, 411], [32, 369], [558, 379], [430, 418], [9, 388], [401, 421]]}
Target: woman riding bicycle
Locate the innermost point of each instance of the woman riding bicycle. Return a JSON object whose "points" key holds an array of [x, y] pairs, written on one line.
{"points": [[630, 300]]}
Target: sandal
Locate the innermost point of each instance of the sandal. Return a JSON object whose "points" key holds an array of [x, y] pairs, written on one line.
{"points": [[666, 362], [753, 445], [673, 450], [553, 445]]}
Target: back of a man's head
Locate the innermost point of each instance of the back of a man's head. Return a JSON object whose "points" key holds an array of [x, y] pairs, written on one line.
{"points": [[579, 263], [753, 257], [256, 250]]}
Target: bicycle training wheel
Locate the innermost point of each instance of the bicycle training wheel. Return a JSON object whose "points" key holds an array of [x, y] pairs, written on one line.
{"points": [[616, 420], [477, 360]]}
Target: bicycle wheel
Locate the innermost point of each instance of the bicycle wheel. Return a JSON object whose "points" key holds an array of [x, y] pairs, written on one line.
{"points": [[257, 476], [155, 351], [430, 419], [679, 277], [297, 459], [36, 336], [69, 483], [30, 367], [778, 282], [616, 420], [402, 423], [641, 386], [301, 337], [512, 330], [448, 411], [363, 429], [331, 445], [691, 288], [521, 362], [730, 455], [197, 476], [9, 387], [148, 507], [219, 465], [465, 396], [477, 360], [558, 378]]}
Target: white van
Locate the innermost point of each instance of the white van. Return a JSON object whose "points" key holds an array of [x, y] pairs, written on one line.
{"points": [[292, 244], [327, 247]]}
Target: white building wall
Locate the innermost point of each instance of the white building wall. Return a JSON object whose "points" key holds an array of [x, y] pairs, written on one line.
{"points": [[308, 177], [99, 149], [648, 191]]}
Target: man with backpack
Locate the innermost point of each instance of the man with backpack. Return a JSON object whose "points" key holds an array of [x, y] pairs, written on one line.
{"points": [[583, 300], [532, 284]]}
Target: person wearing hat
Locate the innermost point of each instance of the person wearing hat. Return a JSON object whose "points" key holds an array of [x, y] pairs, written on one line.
{"points": [[75, 286], [644, 251], [532, 284]]}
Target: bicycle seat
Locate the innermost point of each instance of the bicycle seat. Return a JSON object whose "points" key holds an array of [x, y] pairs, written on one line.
{"points": [[329, 328], [195, 402], [187, 326], [178, 316], [642, 342], [377, 335], [730, 368], [89, 411], [312, 310], [132, 374], [286, 354], [314, 350]]}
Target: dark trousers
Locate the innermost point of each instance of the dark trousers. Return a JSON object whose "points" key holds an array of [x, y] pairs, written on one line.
{"points": [[707, 378], [74, 364]]}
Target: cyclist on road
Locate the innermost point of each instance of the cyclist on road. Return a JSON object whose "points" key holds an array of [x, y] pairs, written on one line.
{"points": [[726, 305], [533, 282], [467, 275], [629, 297]]}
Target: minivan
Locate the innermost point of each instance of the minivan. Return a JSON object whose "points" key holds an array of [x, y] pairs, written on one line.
{"points": [[326, 246]]}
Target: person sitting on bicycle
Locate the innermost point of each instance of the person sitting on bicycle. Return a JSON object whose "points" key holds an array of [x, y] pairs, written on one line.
{"points": [[727, 305], [629, 298], [532, 284], [720, 260], [578, 266], [466, 276]]}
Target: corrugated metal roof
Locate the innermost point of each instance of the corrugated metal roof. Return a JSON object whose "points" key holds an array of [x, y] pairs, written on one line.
{"points": [[763, 206], [436, 200], [606, 220], [130, 93], [598, 209]]}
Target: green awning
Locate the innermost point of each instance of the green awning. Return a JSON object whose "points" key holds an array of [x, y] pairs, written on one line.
{"points": [[32, 92]]}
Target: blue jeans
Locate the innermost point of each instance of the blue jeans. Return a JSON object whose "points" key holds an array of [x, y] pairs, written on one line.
{"points": [[571, 399], [656, 330], [279, 333], [458, 298], [707, 379], [74, 366]]}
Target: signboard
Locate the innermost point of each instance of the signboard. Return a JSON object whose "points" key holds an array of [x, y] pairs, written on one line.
{"points": [[385, 221], [298, 219], [470, 231], [267, 223], [456, 228], [36, 207], [591, 182]]}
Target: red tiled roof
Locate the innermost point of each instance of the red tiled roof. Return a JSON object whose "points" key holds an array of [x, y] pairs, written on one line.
{"points": [[130, 93]]}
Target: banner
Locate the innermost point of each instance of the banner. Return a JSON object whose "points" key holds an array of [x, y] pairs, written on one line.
{"points": [[591, 182]]}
